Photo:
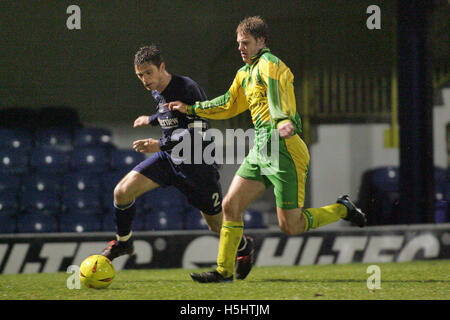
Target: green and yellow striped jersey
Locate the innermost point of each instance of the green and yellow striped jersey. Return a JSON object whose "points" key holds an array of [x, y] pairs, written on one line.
{"points": [[265, 87]]}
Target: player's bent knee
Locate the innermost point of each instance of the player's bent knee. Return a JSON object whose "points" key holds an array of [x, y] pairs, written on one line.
{"points": [[291, 230], [121, 196], [230, 210]]}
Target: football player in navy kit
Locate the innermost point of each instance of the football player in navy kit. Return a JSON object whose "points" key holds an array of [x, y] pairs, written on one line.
{"points": [[198, 181]]}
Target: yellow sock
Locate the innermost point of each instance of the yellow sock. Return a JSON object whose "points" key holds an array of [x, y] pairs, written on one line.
{"points": [[318, 217], [230, 237]]}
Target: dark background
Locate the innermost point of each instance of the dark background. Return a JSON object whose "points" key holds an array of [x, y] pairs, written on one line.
{"points": [[43, 63]]}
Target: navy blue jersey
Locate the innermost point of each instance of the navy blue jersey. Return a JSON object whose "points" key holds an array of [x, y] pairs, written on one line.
{"points": [[188, 91]]}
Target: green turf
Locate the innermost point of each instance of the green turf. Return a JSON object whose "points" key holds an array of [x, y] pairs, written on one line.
{"points": [[413, 280]]}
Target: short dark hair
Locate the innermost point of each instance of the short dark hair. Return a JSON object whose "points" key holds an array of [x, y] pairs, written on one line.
{"points": [[255, 26], [148, 54]]}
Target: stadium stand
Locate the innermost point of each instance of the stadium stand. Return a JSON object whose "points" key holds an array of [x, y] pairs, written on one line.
{"points": [[9, 183], [164, 220], [37, 222], [193, 219], [42, 181], [74, 222], [90, 158], [58, 176], [40, 202], [15, 138], [253, 219], [13, 161], [379, 195], [59, 138], [49, 160]]}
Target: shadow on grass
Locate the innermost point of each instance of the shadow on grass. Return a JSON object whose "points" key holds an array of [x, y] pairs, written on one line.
{"points": [[347, 280]]}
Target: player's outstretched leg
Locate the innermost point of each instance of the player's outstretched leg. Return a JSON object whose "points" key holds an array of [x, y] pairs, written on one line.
{"points": [[354, 214], [245, 258]]}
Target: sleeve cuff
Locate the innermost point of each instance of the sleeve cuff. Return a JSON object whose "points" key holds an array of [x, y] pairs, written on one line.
{"points": [[283, 121], [190, 110]]}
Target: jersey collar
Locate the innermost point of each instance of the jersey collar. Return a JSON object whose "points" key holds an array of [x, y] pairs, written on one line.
{"points": [[258, 55]]}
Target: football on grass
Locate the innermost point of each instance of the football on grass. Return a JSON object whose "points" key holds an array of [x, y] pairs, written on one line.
{"points": [[97, 272]]}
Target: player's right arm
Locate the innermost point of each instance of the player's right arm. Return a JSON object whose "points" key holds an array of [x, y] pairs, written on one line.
{"points": [[226, 106]]}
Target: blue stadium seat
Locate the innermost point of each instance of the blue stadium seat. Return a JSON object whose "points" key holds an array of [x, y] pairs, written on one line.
{"points": [[165, 198], [441, 212], [80, 181], [16, 139], [163, 220], [73, 222], [110, 225], [92, 136], [42, 181], [59, 138], [110, 179], [93, 159], [253, 219], [10, 183], [193, 220], [440, 183], [8, 223], [9, 204], [36, 222], [41, 202], [125, 160], [47, 159], [87, 203], [13, 161]]}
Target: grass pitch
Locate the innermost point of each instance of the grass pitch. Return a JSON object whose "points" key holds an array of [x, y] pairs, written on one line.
{"points": [[421, 280]]}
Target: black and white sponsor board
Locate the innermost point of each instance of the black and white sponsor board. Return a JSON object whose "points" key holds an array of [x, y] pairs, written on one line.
{"points": [[34, 253]]}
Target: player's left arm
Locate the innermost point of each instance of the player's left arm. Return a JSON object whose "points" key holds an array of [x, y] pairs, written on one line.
{"points": [[280, 94]]}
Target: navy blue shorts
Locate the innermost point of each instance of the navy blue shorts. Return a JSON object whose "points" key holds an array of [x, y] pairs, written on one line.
{"points": [[198, 182]]}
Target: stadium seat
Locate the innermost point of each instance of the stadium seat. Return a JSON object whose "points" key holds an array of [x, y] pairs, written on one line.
{"points": [[125, 160], [40, 202], [193, 220], [9, 204], [58, 138], [42, 181], [253, 219], [76, 181], [110, 225], [13, 161], [379, 195], [165, 198], [16, 139], [9, 183], [36, 222], [87, 203], [163, 220], [93, 137], [93, 159], [8, 223], [441, 212], [50, 160], [73, 222]]}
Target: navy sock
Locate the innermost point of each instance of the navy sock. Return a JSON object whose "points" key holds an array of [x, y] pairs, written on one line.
{"points": [[124, 218]]}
